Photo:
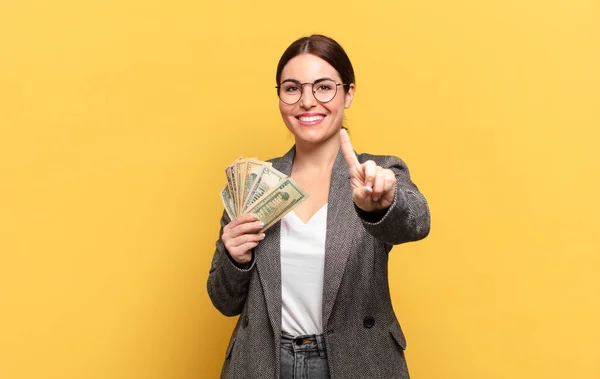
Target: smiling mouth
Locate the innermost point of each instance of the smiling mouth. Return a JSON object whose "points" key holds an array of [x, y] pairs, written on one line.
{"points": [[310, 119]]}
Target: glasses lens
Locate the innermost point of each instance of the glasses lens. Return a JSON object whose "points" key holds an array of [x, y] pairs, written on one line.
{"points": [[290, 92], [324, 90]]}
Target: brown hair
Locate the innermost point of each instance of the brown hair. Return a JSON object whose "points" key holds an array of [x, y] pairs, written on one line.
{"points": [[325, 48]]}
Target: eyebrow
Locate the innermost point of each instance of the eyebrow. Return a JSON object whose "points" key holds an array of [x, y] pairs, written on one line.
{"points": [[299, 82]]}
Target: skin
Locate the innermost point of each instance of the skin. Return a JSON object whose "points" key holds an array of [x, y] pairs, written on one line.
{"points": [[317, 145]]}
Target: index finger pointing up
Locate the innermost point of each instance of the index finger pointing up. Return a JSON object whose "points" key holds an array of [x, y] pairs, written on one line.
{"points": [[348, 151]]}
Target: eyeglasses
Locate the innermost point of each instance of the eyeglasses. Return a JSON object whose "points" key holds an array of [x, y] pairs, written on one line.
{"points": [[324, 90]]}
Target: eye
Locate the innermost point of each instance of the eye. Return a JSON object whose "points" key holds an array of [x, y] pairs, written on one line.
{"points": [[291, 88], [324, 87]]}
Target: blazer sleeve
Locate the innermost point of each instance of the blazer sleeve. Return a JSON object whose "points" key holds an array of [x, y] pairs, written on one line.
{"points": [[408, 218], [227, 283]]}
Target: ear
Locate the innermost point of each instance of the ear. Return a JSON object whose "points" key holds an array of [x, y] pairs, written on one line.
{"points": [[349, 96]]}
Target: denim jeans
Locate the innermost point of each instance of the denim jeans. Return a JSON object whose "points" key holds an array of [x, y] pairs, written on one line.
{"points": [[303, 357]]}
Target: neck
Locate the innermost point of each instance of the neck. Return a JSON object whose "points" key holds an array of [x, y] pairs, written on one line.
{"points": [[317, 156]]}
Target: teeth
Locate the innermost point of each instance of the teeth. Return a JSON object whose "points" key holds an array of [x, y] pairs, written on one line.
{"points": [[311, 118]]}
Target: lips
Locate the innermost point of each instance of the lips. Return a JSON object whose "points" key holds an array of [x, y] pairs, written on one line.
{"points": [[310, 118]]}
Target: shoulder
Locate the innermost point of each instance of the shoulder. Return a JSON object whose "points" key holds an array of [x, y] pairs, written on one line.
{"points": [[285, 160], [274, 160]]}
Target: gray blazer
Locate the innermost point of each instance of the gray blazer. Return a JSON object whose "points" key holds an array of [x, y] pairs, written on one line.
{"points": [[362, 335]]}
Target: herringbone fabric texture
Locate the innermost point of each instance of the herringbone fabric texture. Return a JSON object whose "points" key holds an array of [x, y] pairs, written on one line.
{"points": [[363, 337]]}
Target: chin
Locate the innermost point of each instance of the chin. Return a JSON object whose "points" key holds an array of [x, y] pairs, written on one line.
{"points": [[312, 136]]}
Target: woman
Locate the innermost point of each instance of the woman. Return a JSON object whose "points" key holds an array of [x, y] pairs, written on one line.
{"points": [[312, 291]]}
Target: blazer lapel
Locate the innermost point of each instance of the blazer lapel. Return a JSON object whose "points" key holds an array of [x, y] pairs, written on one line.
{"points": [[268, 256], [340, 213]]}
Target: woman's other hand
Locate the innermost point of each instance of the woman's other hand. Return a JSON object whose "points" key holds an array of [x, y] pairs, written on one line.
{"points": [[240, 237], [373, 187]]}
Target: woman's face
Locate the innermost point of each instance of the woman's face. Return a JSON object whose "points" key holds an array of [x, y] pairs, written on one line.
{"points": [[309, 120]]}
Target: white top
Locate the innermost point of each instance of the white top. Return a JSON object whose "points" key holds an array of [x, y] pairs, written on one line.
{"points": [[302, 271]]}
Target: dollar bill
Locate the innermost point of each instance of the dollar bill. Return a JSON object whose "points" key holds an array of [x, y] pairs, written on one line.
{"points": [[254, 186], [267, 179], [231, 185], [240, 176], [227, 203], [275, 204], [253, 171]]}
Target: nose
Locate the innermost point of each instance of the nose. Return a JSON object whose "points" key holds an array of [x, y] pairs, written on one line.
{"points": [[308, 99]]}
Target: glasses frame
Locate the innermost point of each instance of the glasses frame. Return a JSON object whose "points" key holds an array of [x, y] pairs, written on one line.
{"points": [[312, 89]]}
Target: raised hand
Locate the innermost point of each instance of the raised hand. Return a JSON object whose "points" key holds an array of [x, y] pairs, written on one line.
{"points": [[240, 237], [373, 187]]}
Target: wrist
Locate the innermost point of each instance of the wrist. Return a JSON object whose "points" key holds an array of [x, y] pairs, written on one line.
{"points": [[242, 265]]}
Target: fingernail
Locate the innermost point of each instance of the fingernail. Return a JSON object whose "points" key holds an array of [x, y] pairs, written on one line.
{"points": [[368, 189], [261, 224], [375, 199], [262, 236], [370, 184], [255, 217]]}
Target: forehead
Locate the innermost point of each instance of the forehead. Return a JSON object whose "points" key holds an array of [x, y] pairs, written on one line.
{"points": [[308, 68]]}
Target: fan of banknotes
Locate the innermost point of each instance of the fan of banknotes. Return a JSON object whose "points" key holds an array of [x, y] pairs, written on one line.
{"points": [[254, 186]]}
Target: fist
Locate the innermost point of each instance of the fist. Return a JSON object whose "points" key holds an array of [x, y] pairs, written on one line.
{"points": [[240, 237]]}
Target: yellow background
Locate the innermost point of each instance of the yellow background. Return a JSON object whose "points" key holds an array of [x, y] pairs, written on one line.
{"points": [[117, 119]]}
